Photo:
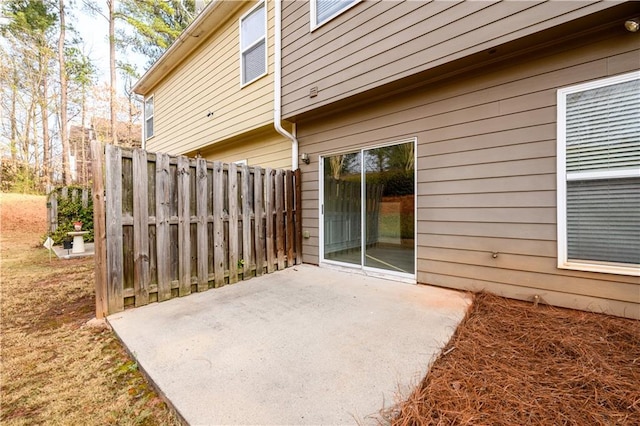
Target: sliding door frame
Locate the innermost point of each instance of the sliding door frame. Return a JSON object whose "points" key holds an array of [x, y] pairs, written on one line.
{"points": [[361, 268]]}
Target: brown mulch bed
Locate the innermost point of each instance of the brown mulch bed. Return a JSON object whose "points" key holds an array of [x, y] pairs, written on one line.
{"points": [[513, 363]]}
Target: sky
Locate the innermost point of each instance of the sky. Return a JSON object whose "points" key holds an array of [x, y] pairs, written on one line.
{"points": [[94, 31]]}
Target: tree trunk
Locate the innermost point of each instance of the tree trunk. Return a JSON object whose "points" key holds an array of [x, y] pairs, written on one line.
{"points": [[83, 120], [112, 69], [46, 150], [64, 137], [13, 144]]}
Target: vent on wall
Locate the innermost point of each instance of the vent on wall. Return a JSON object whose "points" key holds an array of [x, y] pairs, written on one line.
{"points": [[313, 92]]}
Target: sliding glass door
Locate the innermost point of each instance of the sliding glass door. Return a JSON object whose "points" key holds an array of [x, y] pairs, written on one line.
{"points": [[369, 208]]}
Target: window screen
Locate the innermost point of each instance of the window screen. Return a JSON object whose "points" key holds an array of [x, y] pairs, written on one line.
{"points": [[253, 44], [601, 142]]}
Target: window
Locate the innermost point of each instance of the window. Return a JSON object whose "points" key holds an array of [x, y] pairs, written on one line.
{"points": [[253, 44], [148, 117], [599, 175], [323, 10]]}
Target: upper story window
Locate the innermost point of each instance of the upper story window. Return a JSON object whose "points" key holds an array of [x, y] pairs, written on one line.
{"points": [[599, 175], [148, 117], [253, 44], [323, 10]]}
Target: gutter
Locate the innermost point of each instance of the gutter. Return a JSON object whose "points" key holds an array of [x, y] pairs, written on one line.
{"points": [[277, 88]]}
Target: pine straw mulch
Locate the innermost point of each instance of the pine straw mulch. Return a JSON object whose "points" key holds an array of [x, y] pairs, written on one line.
{"points": [[513, 363]]}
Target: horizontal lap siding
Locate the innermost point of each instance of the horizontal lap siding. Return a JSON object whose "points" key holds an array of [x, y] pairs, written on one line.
{"points": [[265, 150], [374, 43], [486, 173], [208, 80]]}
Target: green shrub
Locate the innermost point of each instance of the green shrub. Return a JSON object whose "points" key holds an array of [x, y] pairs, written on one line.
{"points": [[70, 210]]}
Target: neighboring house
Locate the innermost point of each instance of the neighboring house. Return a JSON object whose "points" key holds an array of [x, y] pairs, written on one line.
{"points": [[128, 134], [212, 92], [519, 123], [80, 144]]}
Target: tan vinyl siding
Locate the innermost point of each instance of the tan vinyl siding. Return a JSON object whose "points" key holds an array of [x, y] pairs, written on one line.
{"points": [[208, 80], [375, 43], [265, 149], [486, 175]]}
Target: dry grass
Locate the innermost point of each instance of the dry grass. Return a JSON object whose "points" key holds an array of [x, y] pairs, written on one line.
{"points": [[510, 363], [55, 369]]}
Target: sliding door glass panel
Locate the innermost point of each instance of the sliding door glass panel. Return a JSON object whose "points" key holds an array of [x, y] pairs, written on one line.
{"points": [[343, 208], [389, 212]]}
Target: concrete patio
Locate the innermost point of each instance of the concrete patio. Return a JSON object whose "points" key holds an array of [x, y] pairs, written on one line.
{"points": [[302, 346]]}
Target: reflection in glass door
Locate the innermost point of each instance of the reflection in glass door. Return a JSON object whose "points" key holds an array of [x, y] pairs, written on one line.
{"points": [[389, 208], [342, 208], [369, 213]]}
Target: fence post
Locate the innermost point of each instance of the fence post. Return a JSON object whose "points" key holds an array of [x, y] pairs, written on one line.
{"points": [[290, 232], [298, 207], [280, 231], [113, 207], [100, 264], [52, 205], [85, 197]]}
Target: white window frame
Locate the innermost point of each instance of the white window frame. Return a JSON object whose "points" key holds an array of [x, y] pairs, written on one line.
{"points": [[264, 38], [313, 14], [562, 178], [153, 113]]}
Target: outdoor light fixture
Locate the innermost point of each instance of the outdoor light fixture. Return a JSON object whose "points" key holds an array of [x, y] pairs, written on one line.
{"points": [[632, 25], [305, 158]]}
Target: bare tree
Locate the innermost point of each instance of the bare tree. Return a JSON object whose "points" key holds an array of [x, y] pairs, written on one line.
{"points": [[112, 68], [64, 135]]}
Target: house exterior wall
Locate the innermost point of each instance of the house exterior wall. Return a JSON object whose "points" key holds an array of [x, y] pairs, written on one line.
{"points": [[486, 174], [264, 148], [208, 80], [376, 42]]}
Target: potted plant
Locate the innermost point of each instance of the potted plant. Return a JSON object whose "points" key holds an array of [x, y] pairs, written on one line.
{"points": [[67, 243], [77, 225]]}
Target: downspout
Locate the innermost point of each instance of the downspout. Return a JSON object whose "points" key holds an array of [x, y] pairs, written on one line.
{"points": [[277, 88]]}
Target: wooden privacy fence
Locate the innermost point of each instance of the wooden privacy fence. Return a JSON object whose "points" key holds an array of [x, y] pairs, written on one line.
{"points": [[169, 226]]}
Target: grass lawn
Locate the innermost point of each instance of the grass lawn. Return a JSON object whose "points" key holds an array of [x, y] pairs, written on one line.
{"points": [[55, 368]]}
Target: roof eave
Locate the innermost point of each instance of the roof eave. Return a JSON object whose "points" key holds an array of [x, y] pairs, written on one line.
{"points": [[211, 18]]}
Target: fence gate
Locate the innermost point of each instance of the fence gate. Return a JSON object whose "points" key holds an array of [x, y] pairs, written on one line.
{"points": [[168, 226]]}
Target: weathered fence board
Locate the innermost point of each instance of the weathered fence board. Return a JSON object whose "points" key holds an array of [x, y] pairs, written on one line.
{"points": [[115, 279], [258, 214], [140, 228], [163, 250], [233, 223], [184, 225], [270, 236], [201, 207], [246, 222], [218, 225], [173, 225], [99, 230]]}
